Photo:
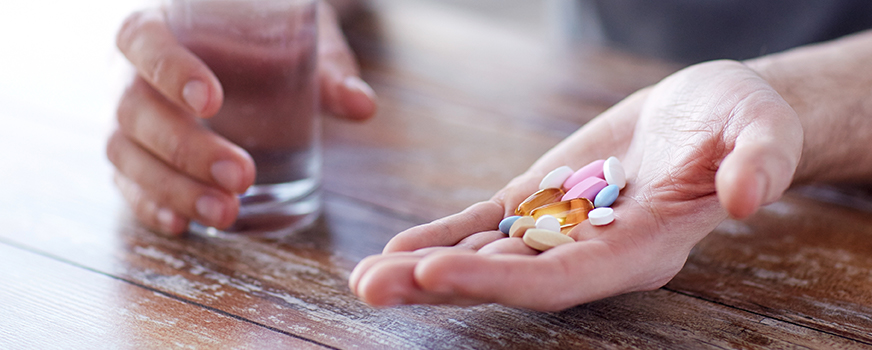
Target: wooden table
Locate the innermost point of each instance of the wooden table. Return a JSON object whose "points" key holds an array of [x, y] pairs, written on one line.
{"points": [[464, 106]]}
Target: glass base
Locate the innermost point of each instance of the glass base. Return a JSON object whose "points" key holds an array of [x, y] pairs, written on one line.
{"points": [[272, 211]]}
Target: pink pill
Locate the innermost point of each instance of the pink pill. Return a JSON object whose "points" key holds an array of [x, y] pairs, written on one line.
{"points": [[587, 188], [594, 169]]}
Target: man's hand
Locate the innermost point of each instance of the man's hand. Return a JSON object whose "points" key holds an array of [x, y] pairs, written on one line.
{"points": [[709, 141], [171, 169]]}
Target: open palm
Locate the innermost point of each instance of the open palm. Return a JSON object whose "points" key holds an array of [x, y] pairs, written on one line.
{"points": [[709, 141]]}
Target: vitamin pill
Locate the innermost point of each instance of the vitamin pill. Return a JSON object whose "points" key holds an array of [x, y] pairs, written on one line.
{"points": [[613, 172], [587, 188], [594, 169], [607, 196], [566, 212], [556, 178], [578, 211], [521, 225], [543, 240], [538, 199], [601, 216], [506, 224], [566, 228], [548, 222]]}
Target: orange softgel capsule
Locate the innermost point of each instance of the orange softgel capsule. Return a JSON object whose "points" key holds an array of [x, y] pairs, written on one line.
{"points": [[538, 199], [568, 212]]}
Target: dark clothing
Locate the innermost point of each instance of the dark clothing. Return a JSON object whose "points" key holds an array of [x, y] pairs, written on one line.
{"points": [[699, 30]]}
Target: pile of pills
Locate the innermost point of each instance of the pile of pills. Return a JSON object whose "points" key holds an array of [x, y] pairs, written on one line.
{"points": [[566, 198]]}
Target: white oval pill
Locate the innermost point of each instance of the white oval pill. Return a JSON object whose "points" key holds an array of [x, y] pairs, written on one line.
{"points": [[548, 222], [543, 240], [601, 216], [556, 177], [614, 173]]}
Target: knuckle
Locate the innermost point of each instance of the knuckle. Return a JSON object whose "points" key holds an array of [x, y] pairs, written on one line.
{"points": [[177, 147], [163, 188], [135, 26], [136, 103], [113, 147], [168, 69], [142, 207], [128, 29], [160, 68], [145, 210], [126, 106], [143, 38]]}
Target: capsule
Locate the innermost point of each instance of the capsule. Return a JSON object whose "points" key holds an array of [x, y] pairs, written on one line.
{"points": [[538, 199], [568, 212], [579, 211]]}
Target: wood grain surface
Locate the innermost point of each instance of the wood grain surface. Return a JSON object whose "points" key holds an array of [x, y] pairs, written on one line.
{"points": [[465, 105]]}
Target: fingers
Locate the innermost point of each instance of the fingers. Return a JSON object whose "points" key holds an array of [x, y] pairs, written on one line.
{"points": [[394, 283], [179, 141], [546, 282], [170, 68], [536, 282], [367, 263], [614, 260], [482, 216], [480, 239], [168, 188], [508, 245], [394, 286], [148, 212], [767, 151], [343, 93]]}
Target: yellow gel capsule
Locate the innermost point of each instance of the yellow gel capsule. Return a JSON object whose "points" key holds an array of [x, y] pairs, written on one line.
{"points": [[567, 212], [579, 211], [538, 199]]}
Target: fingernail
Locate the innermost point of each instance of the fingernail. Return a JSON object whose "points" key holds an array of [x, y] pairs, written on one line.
{"points": [[196, 95], [167, 220], [227, 174], [357, 84], [211, 209]]}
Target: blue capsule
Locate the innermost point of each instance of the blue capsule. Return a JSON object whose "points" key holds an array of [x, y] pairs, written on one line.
{"points": [[506, 224], [607, 196]]}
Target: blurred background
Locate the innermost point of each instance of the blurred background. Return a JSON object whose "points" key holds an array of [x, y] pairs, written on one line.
{"points": [[60, 56]]}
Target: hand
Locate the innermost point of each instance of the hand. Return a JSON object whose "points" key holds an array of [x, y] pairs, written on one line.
{"points": [[709, 141], [169, 168]]}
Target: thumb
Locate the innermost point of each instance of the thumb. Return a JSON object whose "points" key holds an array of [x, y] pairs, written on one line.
{"points": [[343, 93], [765, 156]]}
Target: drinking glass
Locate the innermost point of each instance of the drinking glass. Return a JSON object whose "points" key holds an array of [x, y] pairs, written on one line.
{"points": [[264, 54]]}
